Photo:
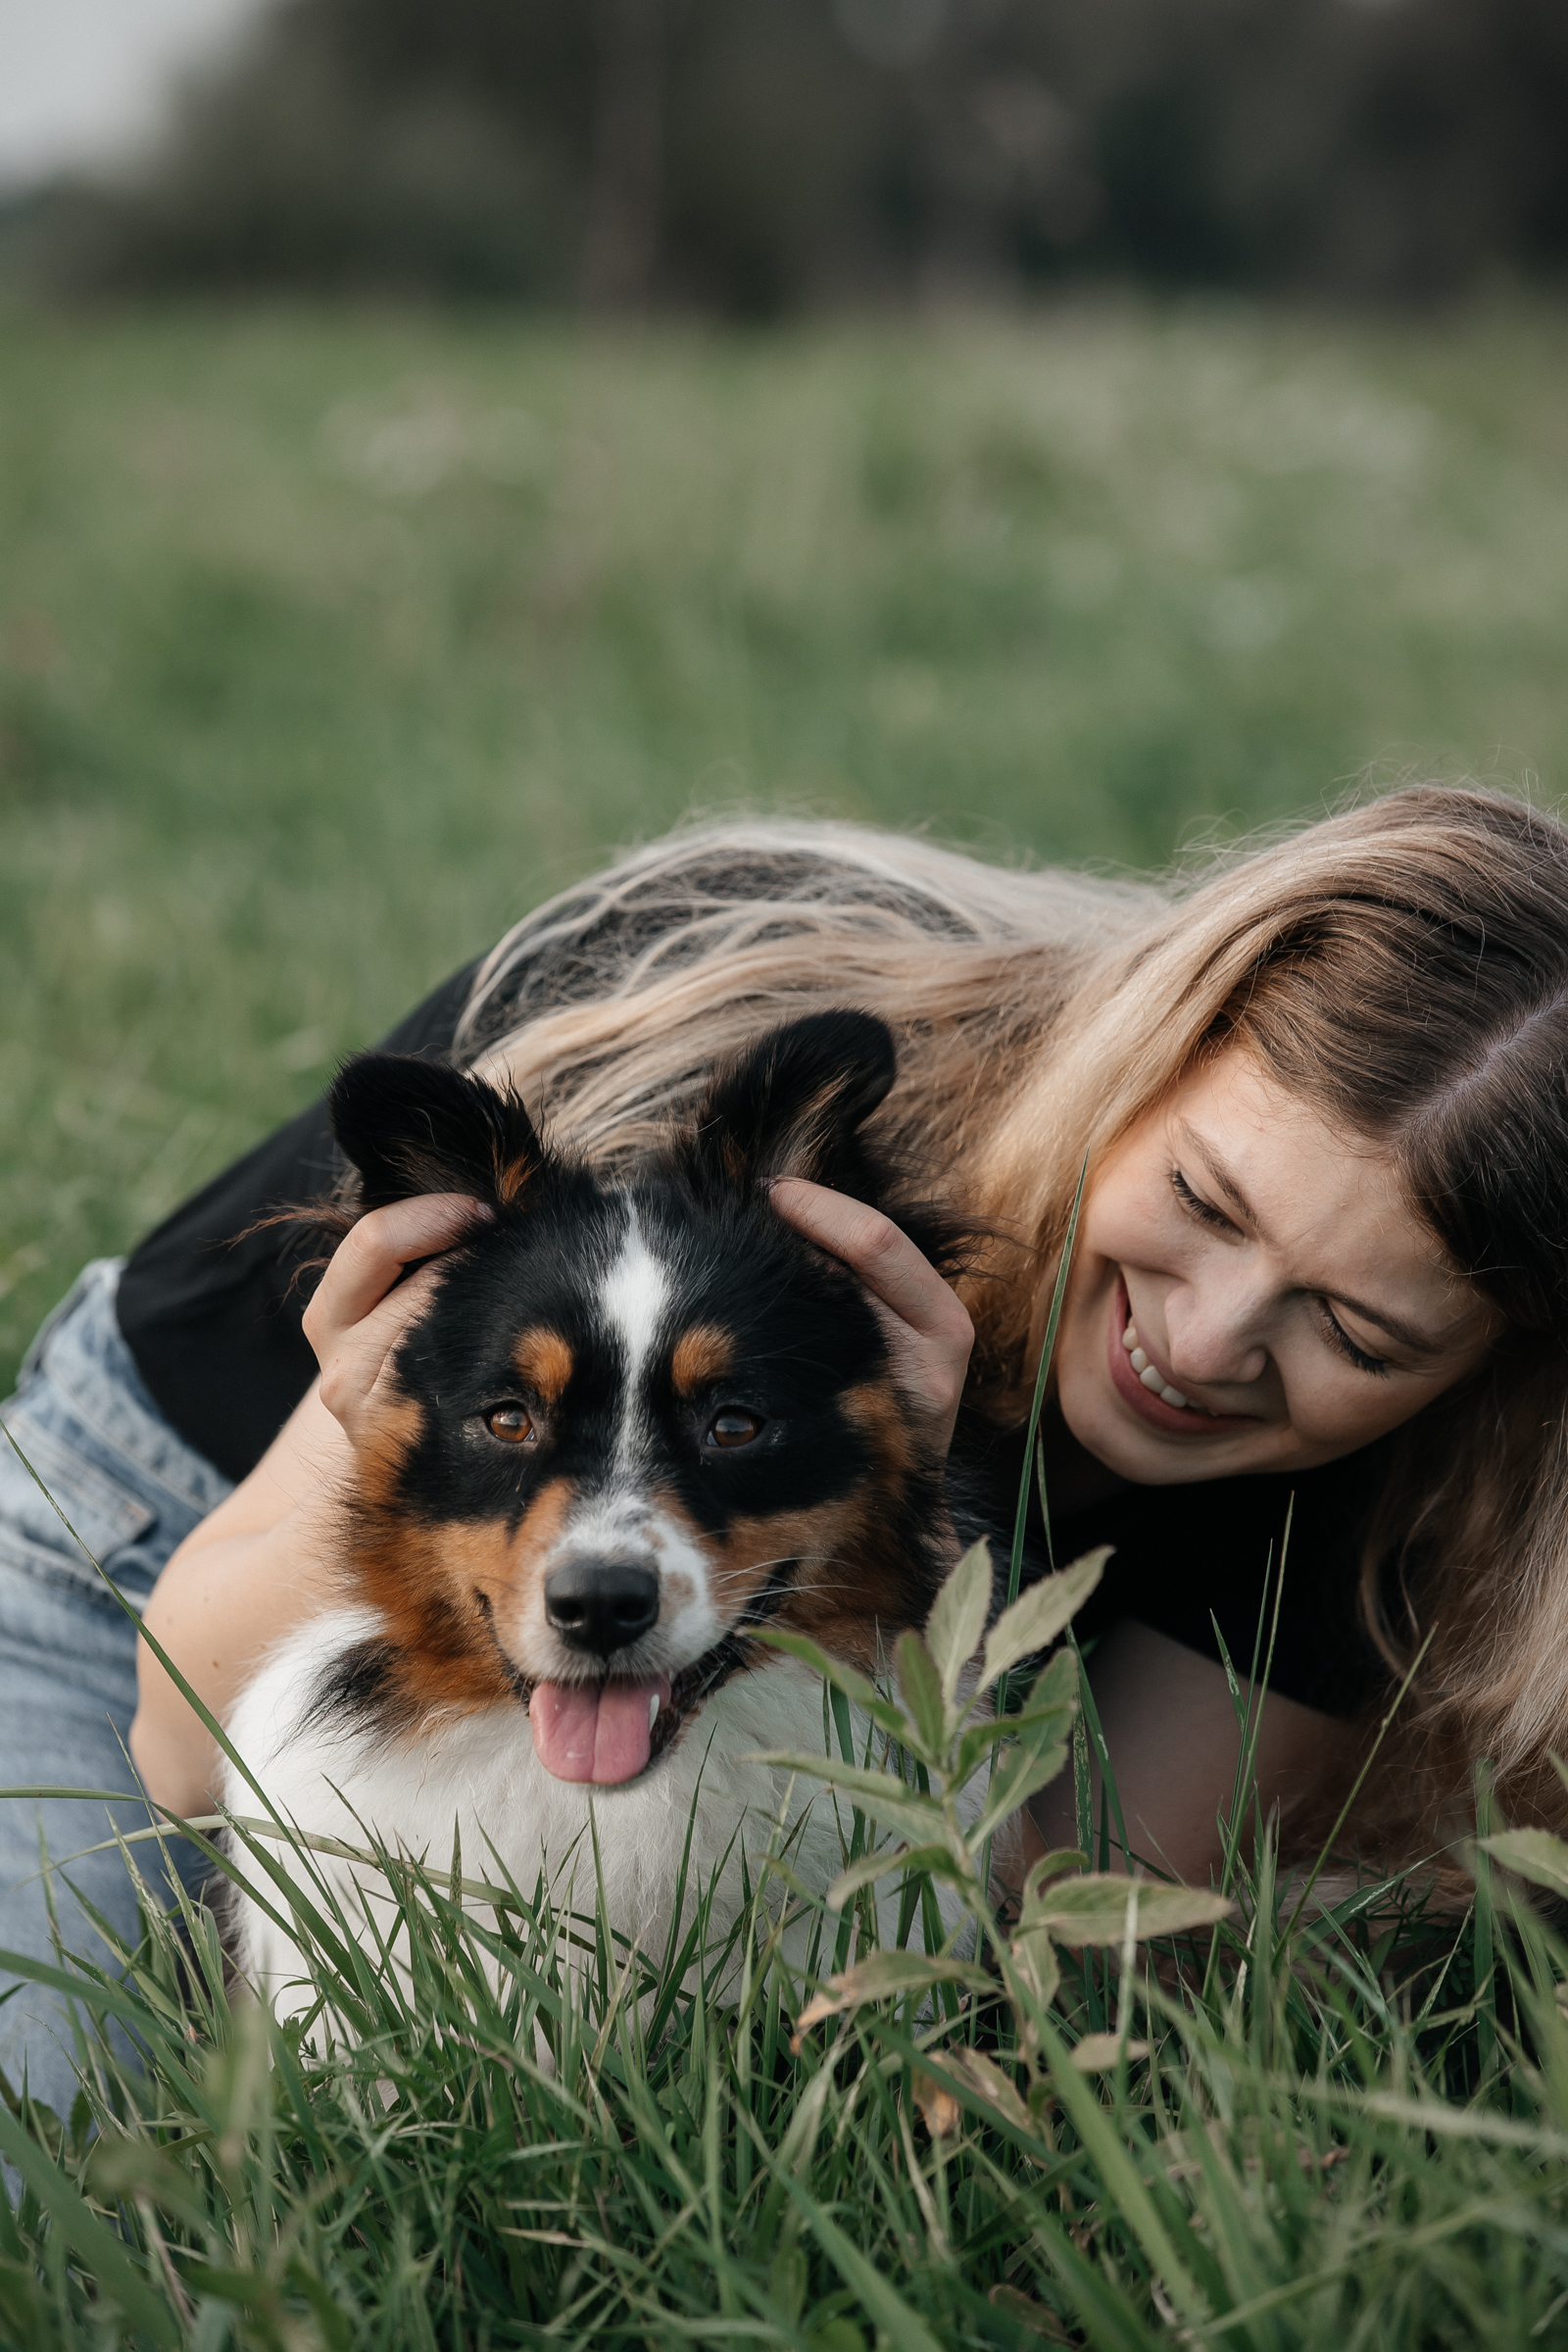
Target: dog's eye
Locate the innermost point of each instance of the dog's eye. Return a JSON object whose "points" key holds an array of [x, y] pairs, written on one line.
{"points": [[732, 1427], [512, 1423]]}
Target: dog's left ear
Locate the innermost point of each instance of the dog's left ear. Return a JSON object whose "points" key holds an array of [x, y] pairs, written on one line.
{"points": [[413, 1126], [794, 1104]]}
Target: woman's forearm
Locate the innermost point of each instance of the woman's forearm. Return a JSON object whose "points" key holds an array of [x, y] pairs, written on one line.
{"points": [[1170, 1729], [261, 1563], [231, 1603]]}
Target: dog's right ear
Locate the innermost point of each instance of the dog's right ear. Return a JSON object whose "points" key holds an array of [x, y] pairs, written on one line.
{"points": [[409, 1126], [793, 1101]]}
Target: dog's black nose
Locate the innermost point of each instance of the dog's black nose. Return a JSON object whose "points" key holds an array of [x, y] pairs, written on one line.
{"points": [[600, 1605]]}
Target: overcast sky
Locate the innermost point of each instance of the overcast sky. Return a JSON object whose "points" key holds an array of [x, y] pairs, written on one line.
{"points": [[82, 81]]}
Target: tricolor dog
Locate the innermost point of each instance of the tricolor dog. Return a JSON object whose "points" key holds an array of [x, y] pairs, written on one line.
{"points": [[642, 1420]]}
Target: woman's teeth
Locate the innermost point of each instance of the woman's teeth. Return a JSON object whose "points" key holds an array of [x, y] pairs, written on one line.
{"points": [[1145, 1370]]}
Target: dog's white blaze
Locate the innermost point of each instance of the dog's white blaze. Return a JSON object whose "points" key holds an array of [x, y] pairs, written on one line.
{"points": [[632, 1300], [622, 1520]]}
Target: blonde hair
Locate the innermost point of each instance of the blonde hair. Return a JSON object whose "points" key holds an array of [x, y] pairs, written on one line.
{"points": [[1403, 966]]}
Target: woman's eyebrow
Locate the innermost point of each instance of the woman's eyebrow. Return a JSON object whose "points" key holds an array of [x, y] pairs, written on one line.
{"points": [[1222, 1180], [1419, 1342]]}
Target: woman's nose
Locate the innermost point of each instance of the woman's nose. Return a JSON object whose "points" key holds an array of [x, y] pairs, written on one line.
{"points": [[1213, 1338]]}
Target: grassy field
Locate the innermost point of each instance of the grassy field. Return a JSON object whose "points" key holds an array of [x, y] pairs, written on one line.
{"points": [[329, 643]]}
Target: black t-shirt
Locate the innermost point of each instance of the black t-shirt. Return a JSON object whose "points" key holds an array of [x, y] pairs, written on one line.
{"points": [[1190, 1558], [211, 1308], [1206, 1563]]}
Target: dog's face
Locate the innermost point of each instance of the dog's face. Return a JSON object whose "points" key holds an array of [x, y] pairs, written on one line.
{"points": [[638, 1421]]}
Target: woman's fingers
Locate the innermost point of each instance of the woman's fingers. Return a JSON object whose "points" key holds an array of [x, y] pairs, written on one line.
{"points": [[929, 1329], [356, 1316], [373, 1253], [884, 1259]]}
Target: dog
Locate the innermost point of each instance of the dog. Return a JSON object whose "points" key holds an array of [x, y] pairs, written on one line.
{"points": [[641, 1421]]}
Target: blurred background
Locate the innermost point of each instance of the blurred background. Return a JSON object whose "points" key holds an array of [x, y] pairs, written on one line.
{"points": [[439, 444]]}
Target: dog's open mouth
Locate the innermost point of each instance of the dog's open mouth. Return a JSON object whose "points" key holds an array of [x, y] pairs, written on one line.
{"points": [[608, 1732]]}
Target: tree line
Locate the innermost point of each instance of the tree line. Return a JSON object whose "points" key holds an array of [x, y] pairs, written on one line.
{"points": [[749, 157]]}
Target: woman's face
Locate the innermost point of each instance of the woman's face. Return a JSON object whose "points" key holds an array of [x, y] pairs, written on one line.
{"points": [[1249, 1292]]}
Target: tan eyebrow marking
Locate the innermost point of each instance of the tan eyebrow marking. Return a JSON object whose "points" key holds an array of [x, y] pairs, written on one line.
{"points": [[703, 1354], [544, 1364]]}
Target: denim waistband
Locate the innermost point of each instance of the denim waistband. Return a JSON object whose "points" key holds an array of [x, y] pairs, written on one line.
{"points": [[126, 1481], [80, 1352]]}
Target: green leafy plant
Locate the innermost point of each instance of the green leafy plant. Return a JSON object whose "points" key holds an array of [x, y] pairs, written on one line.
{"points": [[940, 1741]]}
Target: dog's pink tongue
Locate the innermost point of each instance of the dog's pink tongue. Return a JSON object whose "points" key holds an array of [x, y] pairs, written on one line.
{"points": [[596, 1732]]}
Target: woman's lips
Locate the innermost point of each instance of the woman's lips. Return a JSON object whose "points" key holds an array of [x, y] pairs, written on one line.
{"points": [[1173, 1420]]}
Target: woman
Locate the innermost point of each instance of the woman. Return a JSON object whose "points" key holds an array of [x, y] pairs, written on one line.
{"points": [[1323, 1256]]}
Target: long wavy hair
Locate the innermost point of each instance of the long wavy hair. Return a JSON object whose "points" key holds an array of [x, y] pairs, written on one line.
{"points": [[1402, 966]]}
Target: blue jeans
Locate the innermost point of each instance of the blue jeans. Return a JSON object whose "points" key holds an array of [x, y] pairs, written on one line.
{"points": [[133, 1490]]}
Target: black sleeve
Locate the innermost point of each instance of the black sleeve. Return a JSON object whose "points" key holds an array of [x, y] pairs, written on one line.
{"points": [[1192, 1559], [211, 1310]]}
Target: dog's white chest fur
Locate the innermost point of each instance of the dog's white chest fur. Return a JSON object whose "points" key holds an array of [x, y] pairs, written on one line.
{"points": [[475, 1776]]}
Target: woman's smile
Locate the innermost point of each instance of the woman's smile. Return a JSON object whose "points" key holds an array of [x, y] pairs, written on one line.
{"points": [[1145, 1387]]}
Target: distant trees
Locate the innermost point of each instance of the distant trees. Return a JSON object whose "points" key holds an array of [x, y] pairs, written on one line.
{"points": [[747, 156]]}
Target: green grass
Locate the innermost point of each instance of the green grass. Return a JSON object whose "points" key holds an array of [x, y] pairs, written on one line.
{"points": [[1298, 2131], [330, 642]]}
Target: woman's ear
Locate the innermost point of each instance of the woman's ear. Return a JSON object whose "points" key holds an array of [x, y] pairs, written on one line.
{"points": [[411, 1126], [794, 1104]]}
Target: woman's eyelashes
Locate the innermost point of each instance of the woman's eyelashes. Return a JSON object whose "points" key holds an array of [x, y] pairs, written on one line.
{"points": [[1334, 1330], [1196, 1206], [1339, 1338]]}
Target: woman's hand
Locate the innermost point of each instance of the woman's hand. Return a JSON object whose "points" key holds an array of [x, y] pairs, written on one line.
{"points": [[267, 1558], [357, 1317], [928, 1329]]}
